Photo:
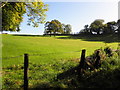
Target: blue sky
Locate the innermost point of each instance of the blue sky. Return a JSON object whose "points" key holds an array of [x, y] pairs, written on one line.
{"points": [[77, 14]]}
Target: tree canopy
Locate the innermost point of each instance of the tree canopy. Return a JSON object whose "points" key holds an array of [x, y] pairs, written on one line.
{"points": [[56, 27], [118, 25], [97, 25], [68, 29], [53, 26], [109, 27], [12, 14]]}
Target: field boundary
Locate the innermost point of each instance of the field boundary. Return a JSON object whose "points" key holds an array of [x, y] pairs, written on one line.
{"points": [[84, 64], [37, 55]]}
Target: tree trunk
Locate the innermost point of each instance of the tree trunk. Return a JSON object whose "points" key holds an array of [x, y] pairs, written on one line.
{"points": [[90, 31], [50, 34], [119, 33], [54, 34], [98, 33]]}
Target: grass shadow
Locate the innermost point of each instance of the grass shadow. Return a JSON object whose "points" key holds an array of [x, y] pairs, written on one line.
{"points": [[27, 35], [70, 79], [92, 38], [69, 73], [100, 38], [67, 77]]}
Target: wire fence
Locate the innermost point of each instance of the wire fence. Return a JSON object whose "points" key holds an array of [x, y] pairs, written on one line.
{"points": [[13, 57], [45, 54], [24, 62], [82, 63]]}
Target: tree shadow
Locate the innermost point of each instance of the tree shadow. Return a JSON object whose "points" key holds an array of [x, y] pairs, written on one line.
{"points": [[92, 38], [28, 35], [99, 79], [61, 78], [69, 73], [100, 38]]}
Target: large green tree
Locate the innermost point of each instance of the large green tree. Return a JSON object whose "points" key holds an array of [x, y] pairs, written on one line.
{"points": [[12, 14], [97, 26], [53, 27]]}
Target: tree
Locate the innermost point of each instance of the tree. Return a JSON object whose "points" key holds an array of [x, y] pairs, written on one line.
{"points": [[86, 28], [63, 27], [57, 26], [12, 14], [48, 28], [2, 4], [68, 29], [105, 30], [110, 27], [118, 25], [54, 27], [97, 26]]}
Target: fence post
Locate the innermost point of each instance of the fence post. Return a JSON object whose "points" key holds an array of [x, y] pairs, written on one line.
{"points": [[82, 60], [25, 71], [97, 62]]}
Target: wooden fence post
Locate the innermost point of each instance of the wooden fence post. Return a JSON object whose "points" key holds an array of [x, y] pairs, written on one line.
{"points": [[25, 71], [82, 60], [97, 62]]}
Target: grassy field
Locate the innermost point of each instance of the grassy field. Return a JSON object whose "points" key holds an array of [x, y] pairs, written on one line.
{"points": [[18, 45], [48, 56]]}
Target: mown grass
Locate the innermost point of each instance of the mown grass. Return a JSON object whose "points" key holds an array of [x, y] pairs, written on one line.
{"points": [[48, 57], [18, 45]]}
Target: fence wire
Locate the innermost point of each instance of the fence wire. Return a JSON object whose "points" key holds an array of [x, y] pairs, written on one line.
{"points": [[11, 57], [6, 58], [51, 53]]}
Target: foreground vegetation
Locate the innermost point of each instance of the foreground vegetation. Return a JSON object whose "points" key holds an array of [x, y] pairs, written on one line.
{"points": [[51, 57]]}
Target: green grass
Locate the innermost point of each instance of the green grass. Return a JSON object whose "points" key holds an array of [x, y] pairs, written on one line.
{"points": [[18, 45], [55, 55]]}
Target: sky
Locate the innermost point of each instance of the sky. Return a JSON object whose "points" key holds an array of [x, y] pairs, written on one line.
{"points": [[77, 14]]}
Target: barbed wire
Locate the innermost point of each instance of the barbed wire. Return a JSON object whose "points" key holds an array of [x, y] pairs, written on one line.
{"points": [[37, 55], [4, 58], [52, 53], [11, 57]]}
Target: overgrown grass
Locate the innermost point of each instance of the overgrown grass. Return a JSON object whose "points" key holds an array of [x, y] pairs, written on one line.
{"points": [[48, 57]]}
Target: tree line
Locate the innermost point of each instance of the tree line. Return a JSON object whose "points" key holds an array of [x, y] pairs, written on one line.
{"points": [[98, 27], [13, 12]]}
